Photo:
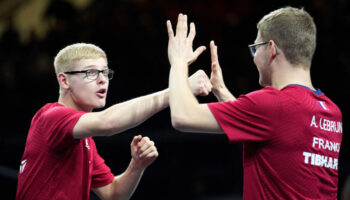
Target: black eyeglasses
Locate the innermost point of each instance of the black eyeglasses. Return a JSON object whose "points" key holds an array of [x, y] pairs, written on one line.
{"points": [[92, 74], [254, 47]]}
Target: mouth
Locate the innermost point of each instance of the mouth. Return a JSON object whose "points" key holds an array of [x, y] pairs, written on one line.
{"points": [[101, 93]]}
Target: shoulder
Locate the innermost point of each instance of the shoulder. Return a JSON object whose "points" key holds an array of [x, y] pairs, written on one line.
{"points": [[266, 92], [59, 109], [265, 98], [55, 112], [264, 101]]}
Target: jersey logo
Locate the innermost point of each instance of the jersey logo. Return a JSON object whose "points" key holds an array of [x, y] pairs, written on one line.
{"points": [[323, 105], [87, 144], [23, 165]]}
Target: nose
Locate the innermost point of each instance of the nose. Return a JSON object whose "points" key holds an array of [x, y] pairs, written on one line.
{"points": [[101, 78]]}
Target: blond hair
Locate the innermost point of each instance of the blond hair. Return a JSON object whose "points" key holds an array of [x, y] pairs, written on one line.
{"points": [[66, 56], [294, 31]]}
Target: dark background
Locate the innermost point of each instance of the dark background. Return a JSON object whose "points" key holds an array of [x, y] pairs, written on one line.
{"points": [[134, 36]]}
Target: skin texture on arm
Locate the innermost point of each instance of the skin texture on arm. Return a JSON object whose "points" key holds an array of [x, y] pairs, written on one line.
{"points": [[186, 113], [121, 116], [143, 152], [129, 114]]}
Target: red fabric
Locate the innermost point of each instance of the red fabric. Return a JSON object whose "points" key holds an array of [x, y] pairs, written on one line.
{"points": [[54, 164], [291, 142]]}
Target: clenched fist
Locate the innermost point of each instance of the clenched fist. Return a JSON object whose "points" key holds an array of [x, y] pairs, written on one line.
{"points": [[143, 151]]}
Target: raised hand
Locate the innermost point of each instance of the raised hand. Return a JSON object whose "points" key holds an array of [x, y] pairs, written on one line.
{"points": [[143, 151], [180, 45], [216, 77]]}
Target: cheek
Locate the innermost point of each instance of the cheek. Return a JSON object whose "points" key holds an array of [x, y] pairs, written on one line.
{"points": [[78, 87], [258, 61], [82, 91]]}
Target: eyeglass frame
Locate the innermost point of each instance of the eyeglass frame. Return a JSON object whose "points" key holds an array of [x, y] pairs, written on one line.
{"points": [[252, 47], [110, 71]]}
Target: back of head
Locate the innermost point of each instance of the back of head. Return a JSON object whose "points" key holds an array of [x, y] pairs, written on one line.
{"points": [[294, 31], [65, 57]]}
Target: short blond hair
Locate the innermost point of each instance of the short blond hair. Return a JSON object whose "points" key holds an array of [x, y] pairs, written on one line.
{"points": [[294, 31], [66, 56]]}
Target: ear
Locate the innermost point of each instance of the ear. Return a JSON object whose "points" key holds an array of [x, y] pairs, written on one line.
{"points": [[63, 81], [273, 49]]}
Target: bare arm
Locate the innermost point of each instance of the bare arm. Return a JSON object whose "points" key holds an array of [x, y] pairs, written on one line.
{"points": [[186, 113], [143, 152], [120, 117], [129, 114]]}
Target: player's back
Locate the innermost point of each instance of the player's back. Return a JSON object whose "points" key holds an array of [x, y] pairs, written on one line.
{"points": [[306, 144]]}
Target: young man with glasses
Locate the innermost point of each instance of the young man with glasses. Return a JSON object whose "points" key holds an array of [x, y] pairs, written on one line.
{"points": [[60, 160], [291, 131]]}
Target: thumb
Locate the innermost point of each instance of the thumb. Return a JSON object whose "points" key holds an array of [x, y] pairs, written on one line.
{"points": [[199, 51], [136, 140], [215, 67]]}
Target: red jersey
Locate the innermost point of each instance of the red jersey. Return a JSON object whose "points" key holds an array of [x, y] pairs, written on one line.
{"points": [[291, 142], [54, 164]]}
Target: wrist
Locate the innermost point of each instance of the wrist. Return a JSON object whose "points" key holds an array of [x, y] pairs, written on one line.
{"points": [[136, 167], [222, 94], [178, 63], [220, 91]]}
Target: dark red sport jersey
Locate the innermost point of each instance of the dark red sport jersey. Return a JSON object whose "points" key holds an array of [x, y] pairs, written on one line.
{"points": [[291, 142], [54, 164]]}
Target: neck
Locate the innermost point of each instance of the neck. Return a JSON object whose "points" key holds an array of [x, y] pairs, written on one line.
{"points": [[66, 100], [285, 74]]}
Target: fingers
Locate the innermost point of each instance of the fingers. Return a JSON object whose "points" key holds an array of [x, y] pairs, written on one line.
{"points": [[196, 53], [170, 30], [146, 148], [213, 52], [180, 43], [149, 152], [181, 27], [184, 26], [215, 66], [192, 33], [136, 140], [199, 51], [200, 83], [206, 86], [144, 144]]}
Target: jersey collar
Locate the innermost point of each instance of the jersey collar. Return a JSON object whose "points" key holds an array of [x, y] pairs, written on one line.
{"points": [[317, 92]]}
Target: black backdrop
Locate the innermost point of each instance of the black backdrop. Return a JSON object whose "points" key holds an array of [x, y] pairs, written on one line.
{"points": [[134, 36]]}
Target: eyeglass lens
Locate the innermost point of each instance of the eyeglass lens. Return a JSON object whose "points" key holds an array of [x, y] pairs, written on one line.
{"points": [[93, 73]]}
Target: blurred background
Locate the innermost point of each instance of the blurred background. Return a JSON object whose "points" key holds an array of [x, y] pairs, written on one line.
{"points": [[134, 36]]}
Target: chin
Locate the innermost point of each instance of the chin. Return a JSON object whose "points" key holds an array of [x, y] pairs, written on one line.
{"points": [[99, 104], [102, 105]]}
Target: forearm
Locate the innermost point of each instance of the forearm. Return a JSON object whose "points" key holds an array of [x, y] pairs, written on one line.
{"points": [[223, 94], [124, 185], [131, 113], [182, 101], [186, 113]]}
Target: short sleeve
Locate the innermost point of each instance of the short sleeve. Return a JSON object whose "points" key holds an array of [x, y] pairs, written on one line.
{"points": [[250, 117], [101, 173], [57, 124]]}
